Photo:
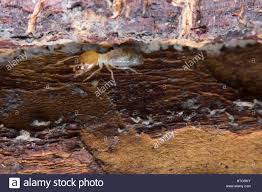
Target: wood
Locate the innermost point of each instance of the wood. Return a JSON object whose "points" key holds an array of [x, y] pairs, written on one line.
{"points": [[194, 21], [116, 131], [32, 21], [185, 112]]}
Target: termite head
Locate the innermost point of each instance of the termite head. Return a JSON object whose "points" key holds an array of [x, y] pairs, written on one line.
{"points": [[89, 57], [87, 60]]}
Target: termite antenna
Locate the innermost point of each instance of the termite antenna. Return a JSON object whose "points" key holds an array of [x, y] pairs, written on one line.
{"points": [[62, 61]]}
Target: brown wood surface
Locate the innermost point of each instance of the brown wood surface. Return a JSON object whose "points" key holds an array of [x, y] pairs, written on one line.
{"points": [[116, 132]]}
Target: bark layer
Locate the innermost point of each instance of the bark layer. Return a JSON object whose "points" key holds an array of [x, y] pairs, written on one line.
{"points": [[89, 21]]}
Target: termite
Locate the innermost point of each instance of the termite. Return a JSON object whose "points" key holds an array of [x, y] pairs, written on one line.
{"points": [[119, 58]]}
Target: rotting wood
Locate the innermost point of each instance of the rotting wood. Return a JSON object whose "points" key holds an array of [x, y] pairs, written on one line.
{"points": [[33, 19], [202, 112]]}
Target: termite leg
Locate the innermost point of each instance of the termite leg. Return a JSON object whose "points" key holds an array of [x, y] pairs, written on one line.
{"points": [[112, 74], [62, 61], [97, 71], [82, 69]]}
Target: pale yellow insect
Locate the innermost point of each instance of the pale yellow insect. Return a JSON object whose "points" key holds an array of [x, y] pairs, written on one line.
{"points": [[120, 58]]}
